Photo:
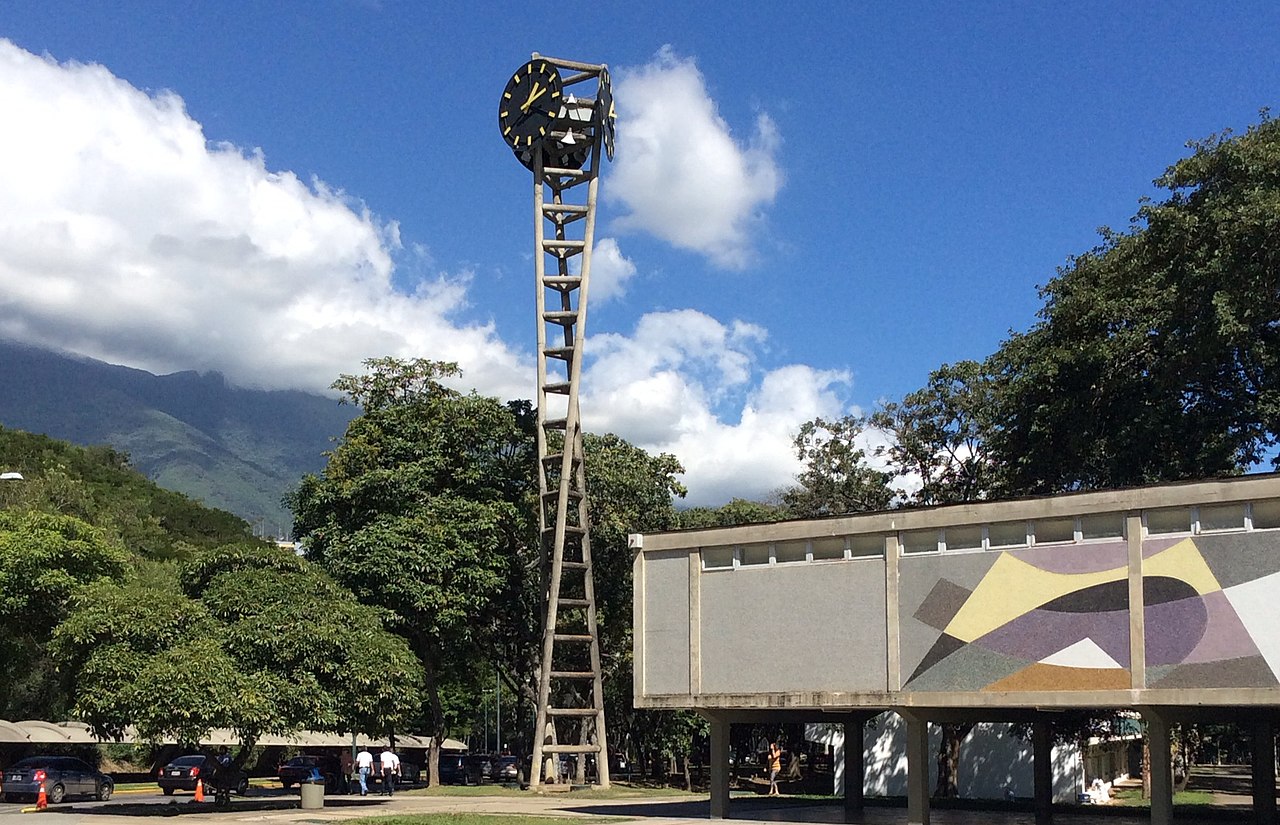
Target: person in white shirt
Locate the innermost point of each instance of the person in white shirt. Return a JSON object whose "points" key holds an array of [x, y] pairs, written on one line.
{"points": [[364, 766], [390, 770]]}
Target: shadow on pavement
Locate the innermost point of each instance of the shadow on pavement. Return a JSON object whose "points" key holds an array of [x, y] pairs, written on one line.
{"points": [[743, 807], [191, 808]]}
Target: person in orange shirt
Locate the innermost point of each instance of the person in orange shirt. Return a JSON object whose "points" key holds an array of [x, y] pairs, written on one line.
{"points": [[775, 767]]}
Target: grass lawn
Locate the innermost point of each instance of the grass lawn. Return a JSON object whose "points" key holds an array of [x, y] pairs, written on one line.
{"points": [[1132, 797]]}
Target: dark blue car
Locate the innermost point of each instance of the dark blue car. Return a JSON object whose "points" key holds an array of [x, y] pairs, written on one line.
{"points": [[61, 776]]}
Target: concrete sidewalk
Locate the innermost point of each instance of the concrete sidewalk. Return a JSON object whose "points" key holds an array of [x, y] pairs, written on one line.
{"points": [[664, 810]]}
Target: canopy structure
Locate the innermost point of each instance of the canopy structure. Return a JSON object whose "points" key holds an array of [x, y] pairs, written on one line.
{"points": [[77, 733]]}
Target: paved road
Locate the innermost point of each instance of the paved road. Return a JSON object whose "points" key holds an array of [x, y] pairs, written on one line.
{"points": [[1231, 785], [281, 807]]}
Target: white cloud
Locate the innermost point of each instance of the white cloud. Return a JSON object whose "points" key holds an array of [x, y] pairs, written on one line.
{"points": [[610, 271], [680, 173], [687, 384], [126, 236]]}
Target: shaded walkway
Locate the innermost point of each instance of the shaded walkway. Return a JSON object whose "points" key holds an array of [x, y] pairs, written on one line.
{"points": [[1231, 785]]}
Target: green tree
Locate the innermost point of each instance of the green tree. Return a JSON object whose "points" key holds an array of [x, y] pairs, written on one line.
{"points": [[837, 477], [248, 637], [414, 513], [937, 437], [737, 511], [628, 491], [44, 560], [1156, 354]]}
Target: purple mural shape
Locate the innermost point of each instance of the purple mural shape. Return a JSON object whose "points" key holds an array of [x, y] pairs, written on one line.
{"points": [[1077, 558], [1174, 629], [1225, 636], [1040, 633], [1152, 546]]}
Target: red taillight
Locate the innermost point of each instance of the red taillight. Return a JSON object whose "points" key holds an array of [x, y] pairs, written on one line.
{"points": [[195, 771], [39, 775]]}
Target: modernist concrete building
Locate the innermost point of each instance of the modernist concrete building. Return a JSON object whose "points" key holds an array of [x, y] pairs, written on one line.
{"points": [[1163, 599]]}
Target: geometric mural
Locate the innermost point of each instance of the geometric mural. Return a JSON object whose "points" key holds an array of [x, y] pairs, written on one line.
{"points": [[1223, 633], [1057, 617]]}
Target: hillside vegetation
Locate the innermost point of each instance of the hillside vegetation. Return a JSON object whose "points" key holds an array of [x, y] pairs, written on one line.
{"points": [[97, 485]]}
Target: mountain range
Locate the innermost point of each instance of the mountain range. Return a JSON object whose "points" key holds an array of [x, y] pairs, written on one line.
{"points": [[237, 449]]}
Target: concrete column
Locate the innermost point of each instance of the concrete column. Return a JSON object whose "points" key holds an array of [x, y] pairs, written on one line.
{"points": [[917, 769], [1161, 768], [719, 767], [853, 762], [1264, 772], [1042, 771]]}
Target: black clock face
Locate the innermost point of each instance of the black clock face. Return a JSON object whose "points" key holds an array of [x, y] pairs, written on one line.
{"points": [[529, 104], [606, 115]]}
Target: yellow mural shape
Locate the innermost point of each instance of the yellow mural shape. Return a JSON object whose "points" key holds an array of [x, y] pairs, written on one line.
{"points": [[1011, 588], [1183, 561]]}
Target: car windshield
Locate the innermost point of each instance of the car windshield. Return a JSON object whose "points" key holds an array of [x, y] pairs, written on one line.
{"points": [[188, 760], [35, 762]]}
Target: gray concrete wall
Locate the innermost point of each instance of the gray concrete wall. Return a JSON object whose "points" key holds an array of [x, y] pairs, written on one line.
{"points": [[807, 627], [666, 623]]}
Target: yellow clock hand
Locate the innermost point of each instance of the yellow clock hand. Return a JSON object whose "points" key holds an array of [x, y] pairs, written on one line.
{"points": [[538, 91]]}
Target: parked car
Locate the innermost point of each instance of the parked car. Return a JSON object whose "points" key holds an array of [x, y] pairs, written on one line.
{"points": [[182, 774], [410, 773], [618, 766], [460, 769], [299, 769], [485, 761], [62, 776], [505, 769]]}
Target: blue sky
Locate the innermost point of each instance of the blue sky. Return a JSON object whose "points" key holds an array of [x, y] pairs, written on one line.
{"points": [[811, 207]]}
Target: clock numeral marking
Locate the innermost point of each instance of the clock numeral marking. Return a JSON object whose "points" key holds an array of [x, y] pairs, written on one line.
{"points": [[506, 131], [542, 130], [503, 114], [507, 95]]}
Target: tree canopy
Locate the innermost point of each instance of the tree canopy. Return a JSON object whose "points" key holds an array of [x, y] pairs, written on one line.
{"points": [[249, 637], [415, 513], [1154, 359]]}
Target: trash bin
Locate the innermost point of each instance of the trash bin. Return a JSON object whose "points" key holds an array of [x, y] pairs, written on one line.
{"points": [[312, 794]]}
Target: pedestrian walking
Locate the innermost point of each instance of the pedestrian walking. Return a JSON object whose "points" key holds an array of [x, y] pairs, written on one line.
{"points": [[364, 766], [390, 770]]}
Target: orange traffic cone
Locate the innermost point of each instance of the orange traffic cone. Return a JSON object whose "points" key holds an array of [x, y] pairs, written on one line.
{"points": [[199, 790], [42, 801]]}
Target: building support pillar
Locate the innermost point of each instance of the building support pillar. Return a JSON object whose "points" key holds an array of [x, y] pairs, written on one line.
{"points": [[1042, 770], [1264, 771], [917, 769], [719, 766], [1158, 745], [851, 765]]}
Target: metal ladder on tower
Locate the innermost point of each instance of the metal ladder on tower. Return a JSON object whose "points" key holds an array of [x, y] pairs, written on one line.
{"points": [[571, 641]]}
